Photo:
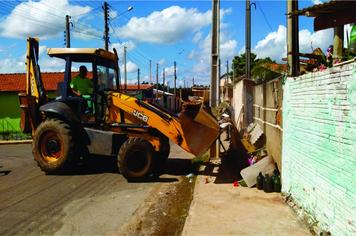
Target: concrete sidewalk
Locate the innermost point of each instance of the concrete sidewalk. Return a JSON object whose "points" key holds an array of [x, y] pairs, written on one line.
{"points": [[219, 208]]}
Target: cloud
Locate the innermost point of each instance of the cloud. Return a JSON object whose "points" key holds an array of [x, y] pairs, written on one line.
{"points": [[39, 19], [197, 37], [130, 67], [12, 65], [120, 46], [85, 32], [162, 61], [130, 45], [17, 64], [315, 2], [170, 70], [202, 55], [166, 26], [274, 45]]}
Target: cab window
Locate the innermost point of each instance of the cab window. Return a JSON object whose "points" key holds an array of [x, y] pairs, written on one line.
{"points": [[106, 78]]}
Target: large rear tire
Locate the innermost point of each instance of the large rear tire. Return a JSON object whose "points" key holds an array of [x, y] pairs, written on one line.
{"points": [[53, 146], [135, 160]]}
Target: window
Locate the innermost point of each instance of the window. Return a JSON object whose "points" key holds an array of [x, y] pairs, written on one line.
{"points": [[106, 78]]}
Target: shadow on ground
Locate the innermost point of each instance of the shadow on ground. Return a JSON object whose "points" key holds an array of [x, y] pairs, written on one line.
{"points": [[100, 164], [227, 168]]}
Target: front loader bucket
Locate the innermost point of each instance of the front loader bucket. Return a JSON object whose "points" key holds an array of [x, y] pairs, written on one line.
{"points": [[200, 129]]}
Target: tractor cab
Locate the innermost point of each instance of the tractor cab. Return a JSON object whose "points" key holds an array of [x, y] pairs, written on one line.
{"points": [[87, 109], [103, 76]]}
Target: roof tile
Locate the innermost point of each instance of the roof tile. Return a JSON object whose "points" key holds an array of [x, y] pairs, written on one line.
{"points": [[17, 82]]}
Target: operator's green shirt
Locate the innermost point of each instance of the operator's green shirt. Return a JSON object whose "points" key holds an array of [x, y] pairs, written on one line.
{"points": [[83, 85]]}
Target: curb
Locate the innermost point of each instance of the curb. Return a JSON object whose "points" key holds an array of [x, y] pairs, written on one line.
{"points": [[7, 142]]}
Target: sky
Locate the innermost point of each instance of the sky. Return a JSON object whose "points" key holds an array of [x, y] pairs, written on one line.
{"points": [[160, 31]]}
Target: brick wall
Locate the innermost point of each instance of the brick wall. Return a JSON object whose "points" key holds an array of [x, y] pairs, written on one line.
{"points": [[319, 146]]}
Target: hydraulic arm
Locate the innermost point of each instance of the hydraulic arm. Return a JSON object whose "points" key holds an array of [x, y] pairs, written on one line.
{"points": [[194, 129]]}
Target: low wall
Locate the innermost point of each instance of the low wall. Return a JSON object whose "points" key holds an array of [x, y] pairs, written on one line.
{"points": [[267, 103]]}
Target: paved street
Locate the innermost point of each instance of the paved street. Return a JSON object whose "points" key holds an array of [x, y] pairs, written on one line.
{"points": [[93, 200]]}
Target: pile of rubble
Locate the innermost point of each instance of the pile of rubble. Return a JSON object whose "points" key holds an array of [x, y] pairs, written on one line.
{"points": [[259, 170]]}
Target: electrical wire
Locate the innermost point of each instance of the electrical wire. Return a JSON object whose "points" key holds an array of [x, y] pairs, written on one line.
{"points": [[52, 14], [135, 50], [48, 26], [264, 16], [42, 23]]}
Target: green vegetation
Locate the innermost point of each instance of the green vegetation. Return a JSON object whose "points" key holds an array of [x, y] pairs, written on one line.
{"points": [[10, 129], [261, 69]]}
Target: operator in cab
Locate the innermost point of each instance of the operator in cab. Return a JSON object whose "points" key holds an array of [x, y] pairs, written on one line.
{"points": [[80, 84]]}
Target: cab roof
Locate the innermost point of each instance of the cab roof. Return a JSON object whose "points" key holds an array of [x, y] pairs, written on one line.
{"points": [[81, 54]]}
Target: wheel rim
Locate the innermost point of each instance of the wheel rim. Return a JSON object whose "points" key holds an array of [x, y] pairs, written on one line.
{"points": [[137, 161], [50, 147]]}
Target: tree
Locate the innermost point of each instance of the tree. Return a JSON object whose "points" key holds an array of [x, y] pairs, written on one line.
{"points": [[259, 67]]}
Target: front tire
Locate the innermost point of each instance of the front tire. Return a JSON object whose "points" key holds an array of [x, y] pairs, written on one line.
{"points": [[53, 146], [135, 160]]}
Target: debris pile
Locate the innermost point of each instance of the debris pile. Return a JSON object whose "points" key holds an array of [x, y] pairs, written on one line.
{"points": [[261, 170]]}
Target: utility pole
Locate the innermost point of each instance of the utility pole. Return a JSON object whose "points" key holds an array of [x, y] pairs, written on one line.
{"points": [[214, 52], [138, 78], [227, 72], [150, 71], [175, 86], [164, 77], [233, 73], [156, 80], [248, 40], [125, 69], [215, 31], [106, 26], [227, 79], [67, 31], [219, 82], [193, 82], [164, 81], [292, 38]]}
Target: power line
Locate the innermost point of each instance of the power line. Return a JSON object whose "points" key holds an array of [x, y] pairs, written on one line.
{"points": [[50, 10], [90, 36], [46, 25], [134, 50], [42, 23], [264, 16]]}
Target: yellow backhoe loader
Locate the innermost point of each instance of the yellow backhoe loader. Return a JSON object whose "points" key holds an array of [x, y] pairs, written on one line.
{"points": [[107, 122]]}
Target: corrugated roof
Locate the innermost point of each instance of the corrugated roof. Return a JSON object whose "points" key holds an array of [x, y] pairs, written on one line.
{"points": [[331, 7], [330, 14]]}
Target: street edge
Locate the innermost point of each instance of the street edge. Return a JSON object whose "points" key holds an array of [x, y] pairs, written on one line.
{"points": [[7, 142]]}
